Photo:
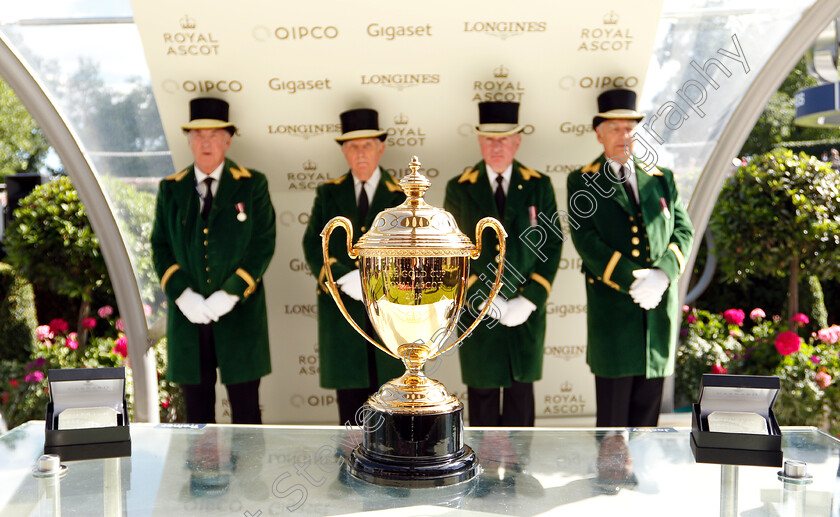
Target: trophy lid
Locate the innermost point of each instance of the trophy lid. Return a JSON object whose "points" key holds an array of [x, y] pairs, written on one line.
{"points": [[414, 225]]}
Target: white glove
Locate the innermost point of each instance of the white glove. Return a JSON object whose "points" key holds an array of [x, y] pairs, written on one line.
{"points": [[498, 308], [221, 302], [351, 284], [518, 311], [195, 308], [649, 286]]}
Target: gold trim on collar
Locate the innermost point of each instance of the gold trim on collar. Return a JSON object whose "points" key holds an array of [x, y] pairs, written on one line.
{"points": [[167, 275], [608, 271], [528, 173], [240, 172], [252, 285], [542, 281], [178, 176], [592, 167], [471, 176], [680, 257], [471, 280], [323, 273], [650, 169], [393, 187], [335, 181]]}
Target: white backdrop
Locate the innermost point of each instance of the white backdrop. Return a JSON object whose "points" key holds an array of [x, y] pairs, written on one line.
{"points": [[289, 69]]}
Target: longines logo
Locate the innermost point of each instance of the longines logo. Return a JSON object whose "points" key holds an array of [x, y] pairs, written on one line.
{"points": [[293, 86], [309, 178], [565, 352], [500, 88], [302, 310], [577, 129], [391, 32], [568, 82], [400, 81], [404, 135], [289, 218], [188, 42], [562, 168], [505, 29], [305, 131], [300, 266], [563, 310], [566, 402], [398, 174], [203, 86], [609, 37], [308, 364]]}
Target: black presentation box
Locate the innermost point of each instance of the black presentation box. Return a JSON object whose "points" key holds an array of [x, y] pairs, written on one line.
{"points": [[87, 388], [741, 393]]}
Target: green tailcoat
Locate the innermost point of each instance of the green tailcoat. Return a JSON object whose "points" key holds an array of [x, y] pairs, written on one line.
{"points": [[220, 253], [614, 238], [495, 355], [342, 352]]}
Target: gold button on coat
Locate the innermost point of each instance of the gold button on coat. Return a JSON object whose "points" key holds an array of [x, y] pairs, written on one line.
{"points": [[635, 240], [635, 253]]}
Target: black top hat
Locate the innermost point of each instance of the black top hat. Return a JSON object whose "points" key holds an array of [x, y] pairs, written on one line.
{"points": [[616, 104], [360, 123], [498, 118], [209, 113]]}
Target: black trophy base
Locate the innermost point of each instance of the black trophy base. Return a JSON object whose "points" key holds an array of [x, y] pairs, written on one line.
{"points": [[413, 450]]}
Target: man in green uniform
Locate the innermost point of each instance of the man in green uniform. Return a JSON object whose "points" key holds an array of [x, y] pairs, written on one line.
{"points": [[212, 240], [631, 229], [504, 356], [348, 363]]}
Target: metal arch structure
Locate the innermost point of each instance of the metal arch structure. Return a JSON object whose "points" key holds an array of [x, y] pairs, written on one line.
{"points": [[69, 149], [792, 48]]}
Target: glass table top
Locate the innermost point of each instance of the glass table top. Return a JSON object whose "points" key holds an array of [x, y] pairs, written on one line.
{"points": [[262, 471]]}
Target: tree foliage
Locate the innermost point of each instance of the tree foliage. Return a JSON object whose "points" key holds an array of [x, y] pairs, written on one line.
{"points": [[23, 146]]}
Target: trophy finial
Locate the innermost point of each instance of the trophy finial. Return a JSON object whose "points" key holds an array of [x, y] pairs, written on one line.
{"points": [[415, 184]]}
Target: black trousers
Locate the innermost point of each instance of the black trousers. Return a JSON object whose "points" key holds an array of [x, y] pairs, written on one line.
{"points": [[350, 400], [516, 408], [628, 401], [200, 399]]}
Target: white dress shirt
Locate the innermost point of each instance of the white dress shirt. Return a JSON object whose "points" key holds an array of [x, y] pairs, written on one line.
{"points": [[201, 187], [506, 176], [630, 177], [370, 185]]}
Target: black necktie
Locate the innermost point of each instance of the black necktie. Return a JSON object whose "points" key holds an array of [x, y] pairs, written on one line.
{"points": [[626, 172], [208, 198], [363, 204], [500, 195]]}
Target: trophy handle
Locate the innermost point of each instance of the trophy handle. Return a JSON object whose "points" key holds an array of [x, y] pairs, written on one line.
{"points": [[331, 285], [497, 284]]}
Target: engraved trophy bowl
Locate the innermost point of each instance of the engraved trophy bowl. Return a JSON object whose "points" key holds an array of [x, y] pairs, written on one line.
{"points": [[414, 265]]}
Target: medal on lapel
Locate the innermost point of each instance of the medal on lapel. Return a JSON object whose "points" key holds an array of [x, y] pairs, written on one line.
{"points": [[532, 215], [241, 217], [664, 205]]}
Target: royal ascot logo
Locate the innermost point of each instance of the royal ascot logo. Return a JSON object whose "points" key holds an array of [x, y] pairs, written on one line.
{"points": [[568, 82], [305, 131], [562, 310], [308, 178], [565, 352], [300, 266], [187, 41], [609, 37], [392, 32], [576, 128], [400, 81], [293, 86], [500, 88], [566, 402], [203, 86], [505, 29], [308, 364], [289, 218], [562, 168], [402, 134]]}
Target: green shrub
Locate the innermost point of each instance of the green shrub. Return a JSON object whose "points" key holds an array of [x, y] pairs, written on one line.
{"points": [[17, 315]]}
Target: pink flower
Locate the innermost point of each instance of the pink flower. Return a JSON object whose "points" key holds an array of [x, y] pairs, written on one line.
{"points": [[36, 376], [15, 383], [718, 369], [800, 318], [88, 323], [823, 379], [691, 318], [72, 342], [815, 359], [734, 316], [43, 332], [147, 309], [829, 335], [120, 325], [787, 342], [4, 398], [120, 347], [165, 403], [686, 308], [58, 325], [757, 314], [105, 311]]}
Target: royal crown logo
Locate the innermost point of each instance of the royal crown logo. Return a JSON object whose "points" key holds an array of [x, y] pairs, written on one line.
{"points": [[610, 18], [501, 72], [187, 22], [401, 119], [309, 165], [566, 387]]}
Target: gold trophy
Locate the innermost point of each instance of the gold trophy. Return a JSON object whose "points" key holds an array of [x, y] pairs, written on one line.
{"points": [[414, 265]]}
